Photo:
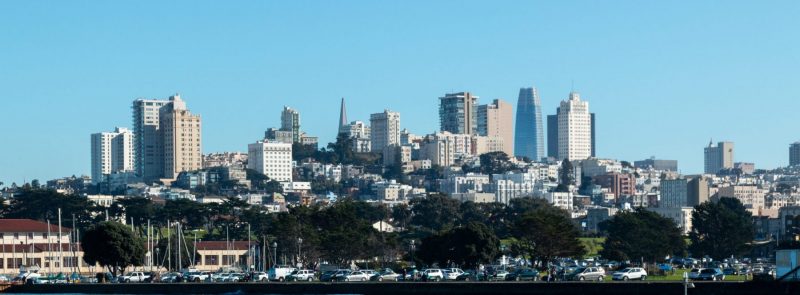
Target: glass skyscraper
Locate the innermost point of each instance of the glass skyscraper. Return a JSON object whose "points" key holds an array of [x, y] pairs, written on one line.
{"points": [[529, 135]]}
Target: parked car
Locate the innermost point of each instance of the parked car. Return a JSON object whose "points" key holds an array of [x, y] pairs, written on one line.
{"points": [[301, 275], [198, 276], [499, 275], [433, 275], [236, 277], [170, 277], [386, 275], [630, 273], [259, 277], [355, 276], [452, 273], [694, 273], [586, 274], [523, 274], [711, 274], [332, 275], [280, 272], [135, 277], [470, 276]]}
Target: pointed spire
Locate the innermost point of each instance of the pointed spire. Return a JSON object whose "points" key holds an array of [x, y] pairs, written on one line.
{"points": [[342, 114]]}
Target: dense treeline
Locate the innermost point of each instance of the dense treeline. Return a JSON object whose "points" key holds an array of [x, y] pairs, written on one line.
{"points": [[433, 230]]}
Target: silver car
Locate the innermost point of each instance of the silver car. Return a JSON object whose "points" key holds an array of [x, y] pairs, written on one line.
{"points": [[587, 274], [355, 276]]}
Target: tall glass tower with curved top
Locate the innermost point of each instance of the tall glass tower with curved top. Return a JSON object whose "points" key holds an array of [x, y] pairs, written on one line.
{"points": [[529, 135]]}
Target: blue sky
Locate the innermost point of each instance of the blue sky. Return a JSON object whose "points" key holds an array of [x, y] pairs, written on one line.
{"points": [[663, 76]]}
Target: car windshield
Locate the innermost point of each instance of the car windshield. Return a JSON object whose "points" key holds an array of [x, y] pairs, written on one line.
{"points": [[579, 270], [695, 270], [708, 271]]}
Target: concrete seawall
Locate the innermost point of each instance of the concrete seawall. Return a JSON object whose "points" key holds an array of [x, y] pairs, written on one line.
{"points": [[637, 288]]}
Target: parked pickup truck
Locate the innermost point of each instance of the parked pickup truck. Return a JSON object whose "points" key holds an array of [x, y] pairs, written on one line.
{"points": [[135, 277]]}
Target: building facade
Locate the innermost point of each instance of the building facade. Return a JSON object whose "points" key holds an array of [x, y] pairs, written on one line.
{"points": [[147, 138], [652, 163], [718, 157], [529, 131], [458, 113], [112, 152], [384, 130], [794, 154], [496, 120], [183, 142], [574, 129], [273, 159], [674, 193], [290, 121]]}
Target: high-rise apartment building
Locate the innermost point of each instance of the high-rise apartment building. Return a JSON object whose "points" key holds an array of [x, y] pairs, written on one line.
{"points": [[112, 152], [183, 145], [148, 141], [574, 129], [529, 131], [290, 121], [273, 159], [794, 154], [458, 113], [552, 135], [594, 141], [718, 157], [384, 130], [496, 120]]}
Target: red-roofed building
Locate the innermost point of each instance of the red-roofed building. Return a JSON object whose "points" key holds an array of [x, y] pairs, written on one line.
{"points": [[34, 243], [29, 231]]}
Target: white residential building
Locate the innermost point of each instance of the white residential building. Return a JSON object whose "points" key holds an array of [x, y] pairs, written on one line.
{"points": [[384, 130], [455, 184], [561, 200], [273, 159], [682, 216], [112, 152]]}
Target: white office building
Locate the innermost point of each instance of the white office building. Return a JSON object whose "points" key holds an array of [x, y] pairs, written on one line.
{"points": [[574, 129], [273, 159]]}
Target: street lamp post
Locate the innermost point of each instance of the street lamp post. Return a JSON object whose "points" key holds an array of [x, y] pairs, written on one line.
{"points": [[299, 243], [412, 246], [275, 249]]}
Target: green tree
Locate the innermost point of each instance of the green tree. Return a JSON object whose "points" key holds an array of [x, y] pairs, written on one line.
{"points": [[43, 204], [273, 186], [139, 209], [641, 234], [466, 246], [401, 214], [113, 245], [566, 176], [495, 163], [721, 229], [547, 232], [436, 212]]}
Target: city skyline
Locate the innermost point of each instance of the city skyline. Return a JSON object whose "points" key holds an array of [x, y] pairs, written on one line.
{"points": [[665, 85]]}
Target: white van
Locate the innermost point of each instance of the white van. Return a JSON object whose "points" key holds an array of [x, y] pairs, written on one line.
{"points": [[280, 272]]}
